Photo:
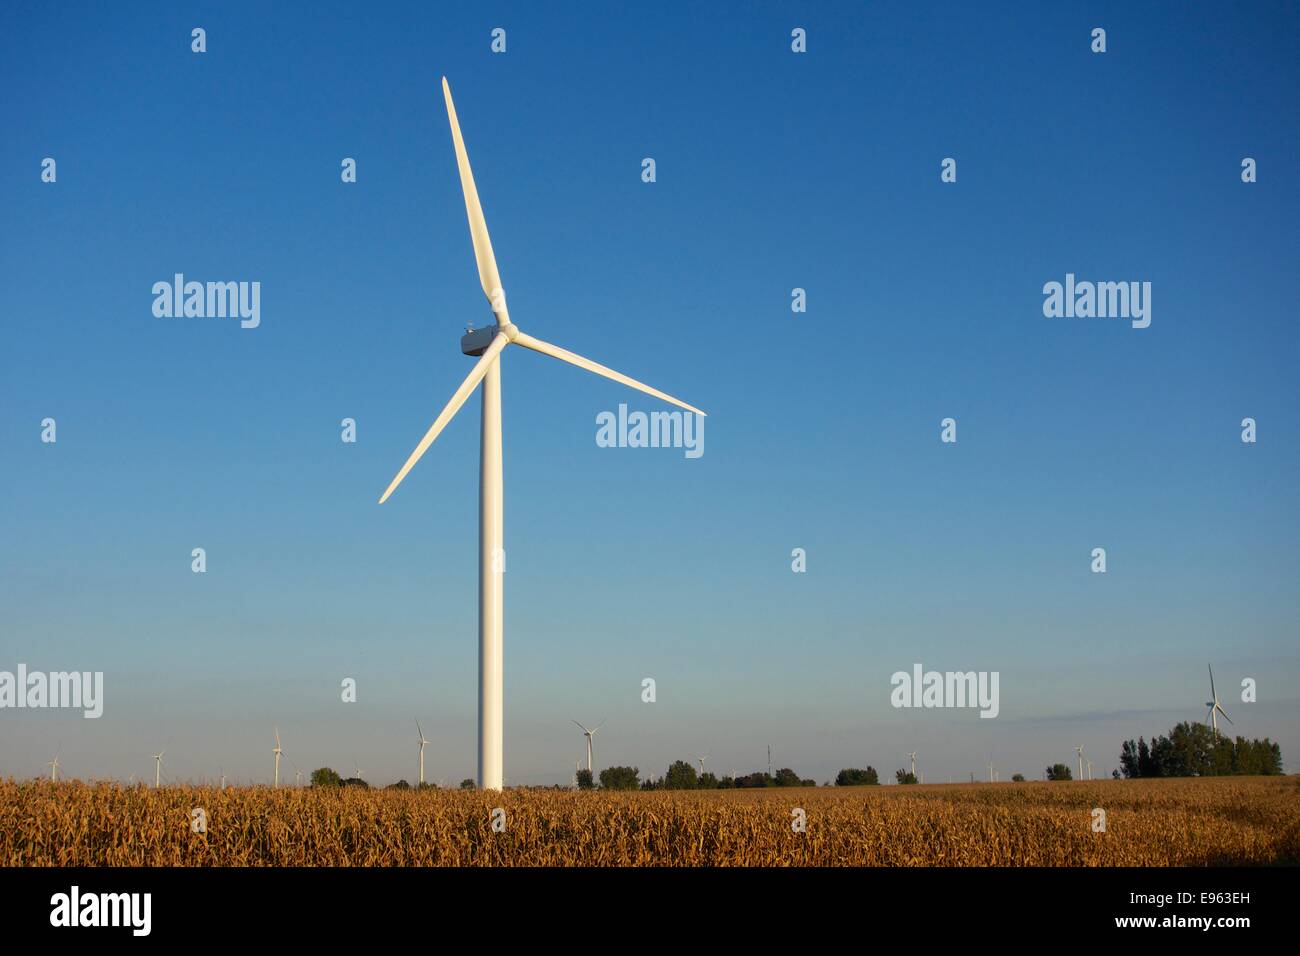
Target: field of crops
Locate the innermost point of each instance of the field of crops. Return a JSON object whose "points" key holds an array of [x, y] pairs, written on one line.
{"points": [[1191, 822]]}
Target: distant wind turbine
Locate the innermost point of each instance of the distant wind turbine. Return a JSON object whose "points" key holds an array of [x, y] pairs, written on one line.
{"points": [[1215, 707], [1089, 769], [1079, 751], [990, 771], [487, 344], [157, 768], [277, 751], [912, 755], [423, 741], [701, 759], [589, 734], [54, 768]]}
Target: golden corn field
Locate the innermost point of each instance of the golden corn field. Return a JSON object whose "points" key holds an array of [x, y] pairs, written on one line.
{"points": [[1188, 822]]}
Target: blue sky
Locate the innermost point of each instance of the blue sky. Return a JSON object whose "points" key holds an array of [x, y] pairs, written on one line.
{"points": [[774, 171]]}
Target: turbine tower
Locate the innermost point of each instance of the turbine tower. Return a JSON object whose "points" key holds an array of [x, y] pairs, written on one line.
{"points": [[1079, 751], [157, 768], [912, 756], [54, 768], [1215, 707], [277, 751], [1089, 762], [423, 741], [701, 759], [990, 770], [589, 734], [488, 344]]}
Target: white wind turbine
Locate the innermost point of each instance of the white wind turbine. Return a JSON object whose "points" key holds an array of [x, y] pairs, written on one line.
{"points": [[589, 734], [912, 755], [54, 768], [1089, 763], [990, 771], [1215, 707], [1079, 751], [157, 768], [277, 751], [488, 343], [701, 758], [423, 741]]}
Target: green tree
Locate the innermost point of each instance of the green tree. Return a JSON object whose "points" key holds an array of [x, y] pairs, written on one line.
{"points": [[1059, 771], [585, 781], [620, 778], [904, 776], [1017, 778], [680, 776], [467, 784], [852, 777], [400, 785], [325, 777], [785, 777], [707, 781]]}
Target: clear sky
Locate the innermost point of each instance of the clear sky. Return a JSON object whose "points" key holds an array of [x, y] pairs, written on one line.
{"points": [[775, 170]]}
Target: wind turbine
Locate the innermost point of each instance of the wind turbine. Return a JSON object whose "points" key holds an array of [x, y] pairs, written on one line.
{"points": [[157, 768], [701, 759], [589, 734], [912, 755], [1089, 762], [423, 741], [277, 751], [54, 768], [1079, 751], [990, 770], [1215, 707], [488, 343]]}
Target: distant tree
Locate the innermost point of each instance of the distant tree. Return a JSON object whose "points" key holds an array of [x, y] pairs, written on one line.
{"points": [[325, 777], [467, 784], [400, 785], [1059, 771], [620, 778], [680, 776], [1128, 760], [1017, 778], [852, 777], [648, 784], [356, 782], [755, 780], [1114, 774], [426, 786], [585, 780], [1195, 750], [785, 777], [727, 783], [904, 776], [1146, 764], [707, 781]]}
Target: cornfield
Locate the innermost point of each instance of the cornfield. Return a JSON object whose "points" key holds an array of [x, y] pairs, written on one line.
{"points": [[1189, 822]]}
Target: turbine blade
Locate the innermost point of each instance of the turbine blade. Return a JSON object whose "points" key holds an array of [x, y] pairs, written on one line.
{"points": [[580, 727], [554, 351], [421, 732], [1212, 693], [1225, 715], [478, 231], [457, 400]]}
